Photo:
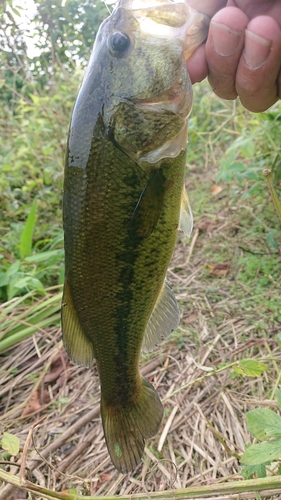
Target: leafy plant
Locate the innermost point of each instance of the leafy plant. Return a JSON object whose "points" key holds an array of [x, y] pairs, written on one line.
{"points": [[10, 443], [264, 425], [26, 266], [250, 153], [249, 368], [33, 314]]}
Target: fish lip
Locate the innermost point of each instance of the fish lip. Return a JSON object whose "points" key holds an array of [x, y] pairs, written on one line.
{"points": [[177, 99]]}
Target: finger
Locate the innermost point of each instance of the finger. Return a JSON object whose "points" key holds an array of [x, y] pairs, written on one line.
{"points": [[259, 67], [197, 65], [254, 8], [224, 48], [207, 7]]}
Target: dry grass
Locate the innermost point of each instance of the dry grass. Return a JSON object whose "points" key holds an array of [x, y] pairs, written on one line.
{"points": [[203, 431]]}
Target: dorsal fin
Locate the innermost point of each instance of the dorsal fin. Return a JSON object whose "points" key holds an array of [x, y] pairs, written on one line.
{"points": [[164, 318]]}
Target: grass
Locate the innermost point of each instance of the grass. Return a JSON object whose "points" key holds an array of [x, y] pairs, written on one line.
{"points": [[227, 281], [24, 316]]}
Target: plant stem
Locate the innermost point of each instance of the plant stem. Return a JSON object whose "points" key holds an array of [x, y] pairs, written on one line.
{"points": [[256, 485], [276, 202]]}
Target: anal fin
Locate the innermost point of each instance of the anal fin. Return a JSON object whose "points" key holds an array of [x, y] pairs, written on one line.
{"points": [[164, 318], [79, 348]]}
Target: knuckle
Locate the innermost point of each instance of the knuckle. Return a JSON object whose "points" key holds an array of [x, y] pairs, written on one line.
{"points": [[223, 87]]}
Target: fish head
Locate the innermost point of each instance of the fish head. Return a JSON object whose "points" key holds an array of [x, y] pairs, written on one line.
{"points": [[137, 77]]}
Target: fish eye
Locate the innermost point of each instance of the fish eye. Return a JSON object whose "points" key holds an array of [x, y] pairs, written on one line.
{"points": [[119, 43]]}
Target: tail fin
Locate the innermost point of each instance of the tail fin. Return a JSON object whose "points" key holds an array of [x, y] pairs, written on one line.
{"points": [[126, 429]]}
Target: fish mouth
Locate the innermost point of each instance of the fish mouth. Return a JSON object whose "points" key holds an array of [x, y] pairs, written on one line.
{"points": [[177, 99]]}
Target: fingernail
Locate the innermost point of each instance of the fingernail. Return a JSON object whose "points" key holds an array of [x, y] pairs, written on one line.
{"points": [[224, 40], [256, 50]]}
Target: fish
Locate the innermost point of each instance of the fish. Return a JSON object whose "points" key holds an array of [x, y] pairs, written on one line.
{"points": [[123, 203]]}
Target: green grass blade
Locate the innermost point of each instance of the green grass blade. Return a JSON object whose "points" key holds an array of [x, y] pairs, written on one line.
{"points": [[19, 319], [27, 331], [32, 314], [25, 246], [31, 320], [275, 199], [45, 256]]}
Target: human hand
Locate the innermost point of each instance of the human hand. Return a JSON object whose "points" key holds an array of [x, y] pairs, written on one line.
{"points": [[242, 55]]}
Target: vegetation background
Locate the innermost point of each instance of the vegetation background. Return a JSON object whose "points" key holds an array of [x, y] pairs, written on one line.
{"points": [[227, 278]]}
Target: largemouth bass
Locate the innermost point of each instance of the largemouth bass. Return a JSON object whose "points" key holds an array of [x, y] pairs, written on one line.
{"points": [[124, 201]]}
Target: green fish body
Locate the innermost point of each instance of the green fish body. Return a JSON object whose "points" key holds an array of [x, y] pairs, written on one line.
{"points": [[123, 204]]}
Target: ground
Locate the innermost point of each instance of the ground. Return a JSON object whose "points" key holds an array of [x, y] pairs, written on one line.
{"points": [[227, 281]]}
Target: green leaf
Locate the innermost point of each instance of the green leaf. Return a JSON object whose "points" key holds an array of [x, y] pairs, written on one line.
{"points": [[263, 423], [252, 176], [3, 280], [15, 10], [63, 400], [28, 282], [242, 146], [271, 241], [27, 233], [236, 167], [12, 287], [10, 443], [262, 452], [13, 269], [47, 255], [250, 367], [250, 471]]}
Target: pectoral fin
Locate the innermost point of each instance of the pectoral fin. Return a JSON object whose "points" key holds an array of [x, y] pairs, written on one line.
{"points": [[186, 218], [165, 318], [78, 347], [149, 206]]}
